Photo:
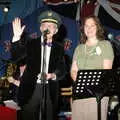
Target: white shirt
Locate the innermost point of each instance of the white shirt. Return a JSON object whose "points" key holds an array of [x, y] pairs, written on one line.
{"points": [[46, 56]]}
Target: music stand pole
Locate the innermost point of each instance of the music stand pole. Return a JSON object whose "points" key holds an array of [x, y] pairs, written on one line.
{"points": [[43, 84], [99, 110]]}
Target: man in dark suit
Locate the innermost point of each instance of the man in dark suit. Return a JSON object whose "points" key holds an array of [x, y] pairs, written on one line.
{"points": [[40, 73]]}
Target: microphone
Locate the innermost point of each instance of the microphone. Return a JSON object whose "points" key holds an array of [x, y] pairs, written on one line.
{"points": [[46, 32]]}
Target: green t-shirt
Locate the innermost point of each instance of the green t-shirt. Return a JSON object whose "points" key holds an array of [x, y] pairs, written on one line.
{"points": [[92, 57]]}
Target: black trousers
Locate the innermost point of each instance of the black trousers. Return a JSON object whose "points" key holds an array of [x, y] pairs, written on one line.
{"points": [[33, 110]]}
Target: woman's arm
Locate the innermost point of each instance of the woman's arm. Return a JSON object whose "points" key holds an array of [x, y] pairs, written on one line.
{"points": [[13, 81], [108, 55], [74, 70], [107, 64]]}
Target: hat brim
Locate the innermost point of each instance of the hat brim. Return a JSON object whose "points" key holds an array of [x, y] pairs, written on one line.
{"points": [[49, 20]]}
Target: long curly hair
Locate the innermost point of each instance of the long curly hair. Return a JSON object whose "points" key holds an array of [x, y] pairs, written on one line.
{"points": [[100, 29]]}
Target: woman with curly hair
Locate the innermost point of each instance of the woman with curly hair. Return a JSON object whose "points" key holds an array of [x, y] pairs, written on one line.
{"points": [[94, 52]]}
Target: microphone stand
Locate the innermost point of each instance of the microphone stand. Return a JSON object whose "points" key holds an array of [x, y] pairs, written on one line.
{"points": [[43, 83]]}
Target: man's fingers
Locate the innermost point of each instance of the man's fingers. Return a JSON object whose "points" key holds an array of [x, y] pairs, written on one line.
{"points": [[23, 27]]}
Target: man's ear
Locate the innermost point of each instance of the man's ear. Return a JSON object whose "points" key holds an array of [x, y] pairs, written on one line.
{"points": [[41, 29], [56, 31]]}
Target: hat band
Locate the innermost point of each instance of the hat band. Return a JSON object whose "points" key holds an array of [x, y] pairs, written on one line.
{"points": [[51, 20]]}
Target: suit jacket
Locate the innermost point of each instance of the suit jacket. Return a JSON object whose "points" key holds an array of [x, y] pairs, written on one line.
{"points": [[32, 50]]}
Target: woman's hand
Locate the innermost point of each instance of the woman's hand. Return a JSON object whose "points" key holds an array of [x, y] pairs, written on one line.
{"points": [[10, 79], [13, 81]]}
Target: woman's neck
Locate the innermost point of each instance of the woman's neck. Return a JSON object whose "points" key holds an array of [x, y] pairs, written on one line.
{"points": [[91, 42]]}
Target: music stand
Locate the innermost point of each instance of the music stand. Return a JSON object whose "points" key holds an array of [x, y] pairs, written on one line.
{"points": [[96, 83], [43, 81]]}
